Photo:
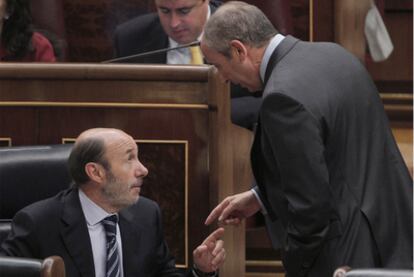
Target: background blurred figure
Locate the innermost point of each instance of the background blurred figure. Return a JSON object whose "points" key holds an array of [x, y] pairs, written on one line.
{"points": [[176, 22], [179, 22], [18, 40]]}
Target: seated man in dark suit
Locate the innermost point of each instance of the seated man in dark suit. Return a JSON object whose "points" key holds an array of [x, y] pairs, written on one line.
{"points": [[101, 226], [179, 22]]}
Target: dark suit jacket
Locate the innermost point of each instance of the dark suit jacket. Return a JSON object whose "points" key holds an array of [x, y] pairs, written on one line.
{"points": [[57, 226], [145, 33], [327, 166]]}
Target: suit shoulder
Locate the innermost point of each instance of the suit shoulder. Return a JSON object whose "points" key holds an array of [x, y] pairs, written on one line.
{"points": [[42, 212], [45, 205], [141, 34], [140, 25], [146, 203], [145, 211]]}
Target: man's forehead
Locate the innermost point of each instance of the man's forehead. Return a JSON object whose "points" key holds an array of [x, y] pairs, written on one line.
{"points": [[121, 147], [176, 3]]}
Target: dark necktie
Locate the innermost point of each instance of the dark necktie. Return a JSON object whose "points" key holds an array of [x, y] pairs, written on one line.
{"points": [[112, 255]]}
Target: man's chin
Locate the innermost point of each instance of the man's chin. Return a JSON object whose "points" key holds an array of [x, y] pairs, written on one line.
{"points": [[135, 192], [133, 200], [183, 39]]}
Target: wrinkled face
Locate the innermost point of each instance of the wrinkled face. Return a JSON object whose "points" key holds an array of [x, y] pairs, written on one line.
{"points": [[182, 20], [125, 176], [238, 69]]}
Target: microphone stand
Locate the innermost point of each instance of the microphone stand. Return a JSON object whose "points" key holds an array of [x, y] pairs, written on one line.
{"points": [[120, 59]]}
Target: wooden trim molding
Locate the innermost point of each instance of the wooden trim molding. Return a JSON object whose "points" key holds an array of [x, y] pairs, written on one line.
{"points": [[264, 263], [311, 20], [398, 106], [80, 71], [5, 142], [104, 105]]}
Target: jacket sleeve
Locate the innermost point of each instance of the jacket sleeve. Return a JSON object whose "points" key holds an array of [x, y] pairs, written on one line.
{"points": [[296, 143], [21, 240]]}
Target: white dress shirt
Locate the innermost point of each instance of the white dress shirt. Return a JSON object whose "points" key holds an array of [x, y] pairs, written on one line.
{"points": [[94, 215], [274, 42]]}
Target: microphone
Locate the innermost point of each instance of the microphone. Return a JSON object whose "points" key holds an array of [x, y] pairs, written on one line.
{"points": [[150, 53]]}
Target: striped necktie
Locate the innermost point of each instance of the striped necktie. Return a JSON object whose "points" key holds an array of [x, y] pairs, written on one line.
{"points": [[112, 255], [196, 56]]}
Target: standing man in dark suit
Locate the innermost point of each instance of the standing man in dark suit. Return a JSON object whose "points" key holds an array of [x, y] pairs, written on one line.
{"points": [[74, 224], [331, 180], [178, 22]]}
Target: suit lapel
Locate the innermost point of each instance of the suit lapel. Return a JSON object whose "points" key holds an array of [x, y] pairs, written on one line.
{"points": [[255, 153], [130, 236], [281, 50], [75, 234]]}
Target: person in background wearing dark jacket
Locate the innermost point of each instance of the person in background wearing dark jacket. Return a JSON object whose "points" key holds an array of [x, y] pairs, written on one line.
{"points": [[102, 226], [179, 22], [19, 43], [330, 177]]}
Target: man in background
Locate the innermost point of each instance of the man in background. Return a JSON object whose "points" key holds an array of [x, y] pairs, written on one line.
{"points": [[179, 22], [330, 177], [102, 226]]}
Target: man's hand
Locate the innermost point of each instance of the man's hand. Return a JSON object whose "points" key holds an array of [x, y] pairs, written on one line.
{"points": [[234, 208], [210, 255]]}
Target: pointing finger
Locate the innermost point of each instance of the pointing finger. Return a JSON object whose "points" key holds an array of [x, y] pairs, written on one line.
{"points": [[216, 212]]}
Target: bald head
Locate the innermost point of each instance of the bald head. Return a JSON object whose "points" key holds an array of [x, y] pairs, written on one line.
{"points": [[106, 134], [90, 146]]}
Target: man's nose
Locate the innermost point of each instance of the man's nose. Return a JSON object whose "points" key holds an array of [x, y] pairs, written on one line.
{"points": [[175, 20], [141, 170]]}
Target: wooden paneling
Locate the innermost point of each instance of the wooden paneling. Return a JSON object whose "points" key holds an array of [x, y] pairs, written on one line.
{"points": [[254, 274], [322, 23], [349, 25], [395, 75], [399, 5], [169, 176], [181, 112], [301, 18], [90, 25]]}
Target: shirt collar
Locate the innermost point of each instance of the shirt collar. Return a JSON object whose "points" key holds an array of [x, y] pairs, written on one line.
{"points": [[173, 43], [93, 213], [274, 42]]}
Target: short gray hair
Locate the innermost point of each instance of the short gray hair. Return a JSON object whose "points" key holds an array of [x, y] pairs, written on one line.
{"points": [[236, 20]]}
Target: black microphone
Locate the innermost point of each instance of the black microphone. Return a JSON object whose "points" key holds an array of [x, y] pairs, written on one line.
{"points": [[150, 53]]}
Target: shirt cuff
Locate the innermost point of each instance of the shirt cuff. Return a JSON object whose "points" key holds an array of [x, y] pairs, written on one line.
{"points": [[198, 273], [262, 207]]}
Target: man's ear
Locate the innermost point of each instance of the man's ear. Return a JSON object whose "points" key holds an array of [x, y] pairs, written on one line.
{"points": [[95, 172], [238, 50]]}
